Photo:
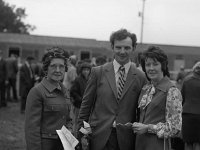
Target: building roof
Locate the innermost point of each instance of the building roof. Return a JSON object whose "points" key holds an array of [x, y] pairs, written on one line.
{"points": [[80, 42], [50, 40], [173, 49]]}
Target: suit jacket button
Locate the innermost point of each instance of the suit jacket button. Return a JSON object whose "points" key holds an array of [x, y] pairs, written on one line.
{"points": [[49, 134]]}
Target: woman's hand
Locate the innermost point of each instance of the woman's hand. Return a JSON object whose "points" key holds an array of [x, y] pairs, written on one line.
{"points": [[139, 128]]}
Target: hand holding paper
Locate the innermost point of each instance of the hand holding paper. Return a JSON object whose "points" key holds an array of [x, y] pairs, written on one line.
{"points": [[86, 129], [68, 140]]}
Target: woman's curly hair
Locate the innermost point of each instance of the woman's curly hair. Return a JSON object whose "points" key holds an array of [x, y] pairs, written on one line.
{"points": [[157, 54], [54, 52]]}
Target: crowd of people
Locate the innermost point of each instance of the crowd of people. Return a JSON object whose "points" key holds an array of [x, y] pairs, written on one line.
{"points": [[128, 107]]}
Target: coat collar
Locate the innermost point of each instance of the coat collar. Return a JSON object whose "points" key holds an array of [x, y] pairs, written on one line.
{"points": [[50, 87], [162, 84]]}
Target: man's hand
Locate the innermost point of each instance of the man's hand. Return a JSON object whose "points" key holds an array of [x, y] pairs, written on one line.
{"points": [[6, 82]]}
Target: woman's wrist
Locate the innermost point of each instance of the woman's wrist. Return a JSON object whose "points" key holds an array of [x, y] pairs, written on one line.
{"points": [[152, 128]]}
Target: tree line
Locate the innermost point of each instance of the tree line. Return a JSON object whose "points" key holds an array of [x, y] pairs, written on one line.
{"points": [[12, 19]]}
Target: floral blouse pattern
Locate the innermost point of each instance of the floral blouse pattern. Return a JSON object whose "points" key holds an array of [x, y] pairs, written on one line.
{"points": [[173, 114]]}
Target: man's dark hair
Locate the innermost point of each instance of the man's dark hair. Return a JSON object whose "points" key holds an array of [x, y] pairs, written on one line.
{"points": [[100, 60], [29, 58], [121, 35]]}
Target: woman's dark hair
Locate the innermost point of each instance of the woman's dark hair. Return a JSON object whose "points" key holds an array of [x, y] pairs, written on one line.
{"points": [[157, 54], [121, 35], [54, 52]]}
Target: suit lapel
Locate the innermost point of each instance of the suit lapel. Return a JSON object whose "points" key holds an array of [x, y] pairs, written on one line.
{"points": [[129, 80], [27, 71], [110, 75]]}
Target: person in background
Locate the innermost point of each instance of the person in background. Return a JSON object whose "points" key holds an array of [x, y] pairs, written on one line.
{"points": [[12, 69], [77, 91], [48, 104], [111, 97], [100, 60], [93, 62], [26, 81], [71, 73], [38, 72], [160, 104], [78, 66], [180, 77], [191, 112], [3, 80], [139, 57], [69, 78]]}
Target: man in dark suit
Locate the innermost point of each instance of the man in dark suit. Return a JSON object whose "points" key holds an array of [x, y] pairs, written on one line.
{"points": [[111, 97], [26, 81], [12, 69], [3, 80]]}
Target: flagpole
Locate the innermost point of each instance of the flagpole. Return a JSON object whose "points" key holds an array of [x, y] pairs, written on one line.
{"points": [[142, 21]]}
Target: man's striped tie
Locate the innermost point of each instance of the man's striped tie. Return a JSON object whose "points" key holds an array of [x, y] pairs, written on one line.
{"points": [[121, 82]]}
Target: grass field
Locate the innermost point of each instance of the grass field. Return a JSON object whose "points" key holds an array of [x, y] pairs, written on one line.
{"points": [[11, 128]]}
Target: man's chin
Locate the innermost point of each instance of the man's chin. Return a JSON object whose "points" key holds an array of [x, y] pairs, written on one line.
{"points": [[123, 61], [58, 79]]}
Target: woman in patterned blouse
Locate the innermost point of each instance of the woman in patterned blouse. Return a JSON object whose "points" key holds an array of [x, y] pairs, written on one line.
{"points": [[160, 104]]}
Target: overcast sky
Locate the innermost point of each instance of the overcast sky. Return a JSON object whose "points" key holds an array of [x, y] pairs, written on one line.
{"points": [[175, 22]]}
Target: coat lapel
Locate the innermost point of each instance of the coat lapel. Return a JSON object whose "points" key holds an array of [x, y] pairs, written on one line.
{"points": [[129, 79], [110, 75], [27, 71]]}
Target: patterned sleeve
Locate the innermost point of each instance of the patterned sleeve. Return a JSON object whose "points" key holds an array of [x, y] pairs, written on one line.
{"points": [[173, 123]]}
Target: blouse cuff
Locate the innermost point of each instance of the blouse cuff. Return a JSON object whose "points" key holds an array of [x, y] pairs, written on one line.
{"points": [[152, 128]]}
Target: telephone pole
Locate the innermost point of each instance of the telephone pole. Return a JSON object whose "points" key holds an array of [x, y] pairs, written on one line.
{"points": [[141, 14]]}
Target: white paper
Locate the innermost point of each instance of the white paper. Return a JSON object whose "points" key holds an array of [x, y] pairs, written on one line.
{"points": [[86, 125], [65, 142], [68, 140], [69, 136], [84, 131]]}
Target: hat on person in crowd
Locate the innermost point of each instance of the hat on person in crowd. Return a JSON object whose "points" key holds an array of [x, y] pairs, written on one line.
{"points": [[196, 67], [86, 65]]}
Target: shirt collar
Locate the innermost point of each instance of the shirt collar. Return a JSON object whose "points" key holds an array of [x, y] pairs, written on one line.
{"points": [[117, 65], [50, 87]]}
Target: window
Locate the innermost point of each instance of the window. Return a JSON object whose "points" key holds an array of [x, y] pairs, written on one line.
{"points": [[179, 57], [14, 50], [85, 55]]}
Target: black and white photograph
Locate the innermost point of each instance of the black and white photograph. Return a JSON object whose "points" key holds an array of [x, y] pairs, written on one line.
{"points": [[99, 75]]}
